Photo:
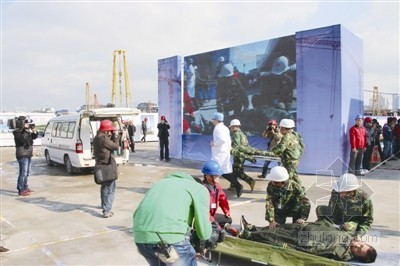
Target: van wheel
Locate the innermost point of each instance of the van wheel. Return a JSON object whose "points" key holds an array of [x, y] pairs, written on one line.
{"points": [[48, 160], [68, 165]]}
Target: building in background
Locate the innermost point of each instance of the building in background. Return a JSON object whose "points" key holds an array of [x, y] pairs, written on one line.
{"points": [[148, 107]]}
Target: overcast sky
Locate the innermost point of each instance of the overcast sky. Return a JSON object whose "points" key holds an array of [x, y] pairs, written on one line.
{"points": [[49, 50]]}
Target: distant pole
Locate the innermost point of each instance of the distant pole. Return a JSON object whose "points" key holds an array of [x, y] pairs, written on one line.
{"points": [[87, 96]]}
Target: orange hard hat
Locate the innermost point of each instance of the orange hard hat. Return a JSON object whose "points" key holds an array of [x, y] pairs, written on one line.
{"points": [[106, 125]]}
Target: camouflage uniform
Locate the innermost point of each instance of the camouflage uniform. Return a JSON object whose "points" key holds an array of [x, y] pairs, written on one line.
{"points": [[320, 238], [241, 151], [289, 201], [355, 215], [289, 150]]}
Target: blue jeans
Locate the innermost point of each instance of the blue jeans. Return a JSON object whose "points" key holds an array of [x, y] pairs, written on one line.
{"points": [[387, 148], [107, 193], [24, 169], [186, 252]]}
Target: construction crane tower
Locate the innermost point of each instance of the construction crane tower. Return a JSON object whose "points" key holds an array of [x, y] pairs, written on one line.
{"points": [[87, 107], [376, 111], [122, 70]]}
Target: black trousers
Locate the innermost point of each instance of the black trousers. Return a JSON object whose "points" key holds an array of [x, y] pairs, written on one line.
{"points": [[164, 148]]}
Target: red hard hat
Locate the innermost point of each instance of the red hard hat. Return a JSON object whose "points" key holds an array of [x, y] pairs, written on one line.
{"points": [[272, 122], [106, 125], [368, 120], [163, 117]]}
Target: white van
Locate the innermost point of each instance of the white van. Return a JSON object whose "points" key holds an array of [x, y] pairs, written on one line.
{"points": [[68, 139]]}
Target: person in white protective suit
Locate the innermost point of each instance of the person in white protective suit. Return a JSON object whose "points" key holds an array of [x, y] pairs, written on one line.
{"points": [[220, 151]]}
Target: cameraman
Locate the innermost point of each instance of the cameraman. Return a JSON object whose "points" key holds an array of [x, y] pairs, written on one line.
{"points": [[162, 222], [24, 134], [271, 132], [163, 136]]}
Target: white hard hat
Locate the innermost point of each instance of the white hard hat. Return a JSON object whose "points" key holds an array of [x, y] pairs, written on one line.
{"points": [[286, 123], [278, 174], [280, 65], [234, 122], [347, 182]]}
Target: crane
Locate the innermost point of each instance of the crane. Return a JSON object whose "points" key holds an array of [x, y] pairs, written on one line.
{"points": [[128, 98], [87, 96], [375, 102]]}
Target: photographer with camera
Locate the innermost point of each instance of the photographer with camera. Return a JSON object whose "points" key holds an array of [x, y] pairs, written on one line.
{"points": [[164, 218], [24, 134], [104, 143], [272, 133], [163, 136]]}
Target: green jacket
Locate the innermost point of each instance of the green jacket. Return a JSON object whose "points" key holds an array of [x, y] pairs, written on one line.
{"points": [[357, 210], [170, 207], [290, 148], [290, 197], [319, 238], [239, 139]]}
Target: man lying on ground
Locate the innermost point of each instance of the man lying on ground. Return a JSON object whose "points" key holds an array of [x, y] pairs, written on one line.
{"points": [[319, 238]]}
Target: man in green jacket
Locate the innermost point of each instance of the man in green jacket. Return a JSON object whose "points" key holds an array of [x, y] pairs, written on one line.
{"points": [[166, 215], [285, 198], [349, 207], [241, 151], [289, 149], [320, 238]]}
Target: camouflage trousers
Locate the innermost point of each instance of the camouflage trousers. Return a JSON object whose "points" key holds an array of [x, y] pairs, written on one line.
{"points": [[326, 212], [238, 170], [240, 155], [238, 165], [291, 167], [281, 215]]}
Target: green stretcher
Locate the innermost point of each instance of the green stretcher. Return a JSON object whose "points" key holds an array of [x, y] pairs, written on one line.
{"points": [[269, 254]]}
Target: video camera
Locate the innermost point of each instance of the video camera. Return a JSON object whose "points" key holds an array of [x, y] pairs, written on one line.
{"points": [[20, 121], [217, 236]]}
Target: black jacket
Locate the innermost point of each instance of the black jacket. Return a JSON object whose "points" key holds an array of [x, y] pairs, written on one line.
{"points": [[103, 146], [163, 130], [24, 143]]}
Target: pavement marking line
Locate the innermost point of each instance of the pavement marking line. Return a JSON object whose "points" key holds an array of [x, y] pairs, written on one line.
{"points": [[247, 201], [45, 250]]}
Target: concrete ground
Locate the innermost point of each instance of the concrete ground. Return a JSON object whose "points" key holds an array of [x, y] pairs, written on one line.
{"points": [[61, 222]]}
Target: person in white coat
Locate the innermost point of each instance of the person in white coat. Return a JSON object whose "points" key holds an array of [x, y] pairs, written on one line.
{"points": [[220, 151]]}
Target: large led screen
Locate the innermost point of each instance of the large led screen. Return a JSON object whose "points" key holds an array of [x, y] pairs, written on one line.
{"points": [[253, 83]]}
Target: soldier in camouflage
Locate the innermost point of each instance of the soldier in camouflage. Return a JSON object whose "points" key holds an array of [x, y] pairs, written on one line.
{"points": [[349, 207], [289, 149], [241, 151], [320, 238], [285, 198]]}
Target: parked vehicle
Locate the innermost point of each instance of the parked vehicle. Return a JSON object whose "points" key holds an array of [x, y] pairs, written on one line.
{"points": [[68, 139]]}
